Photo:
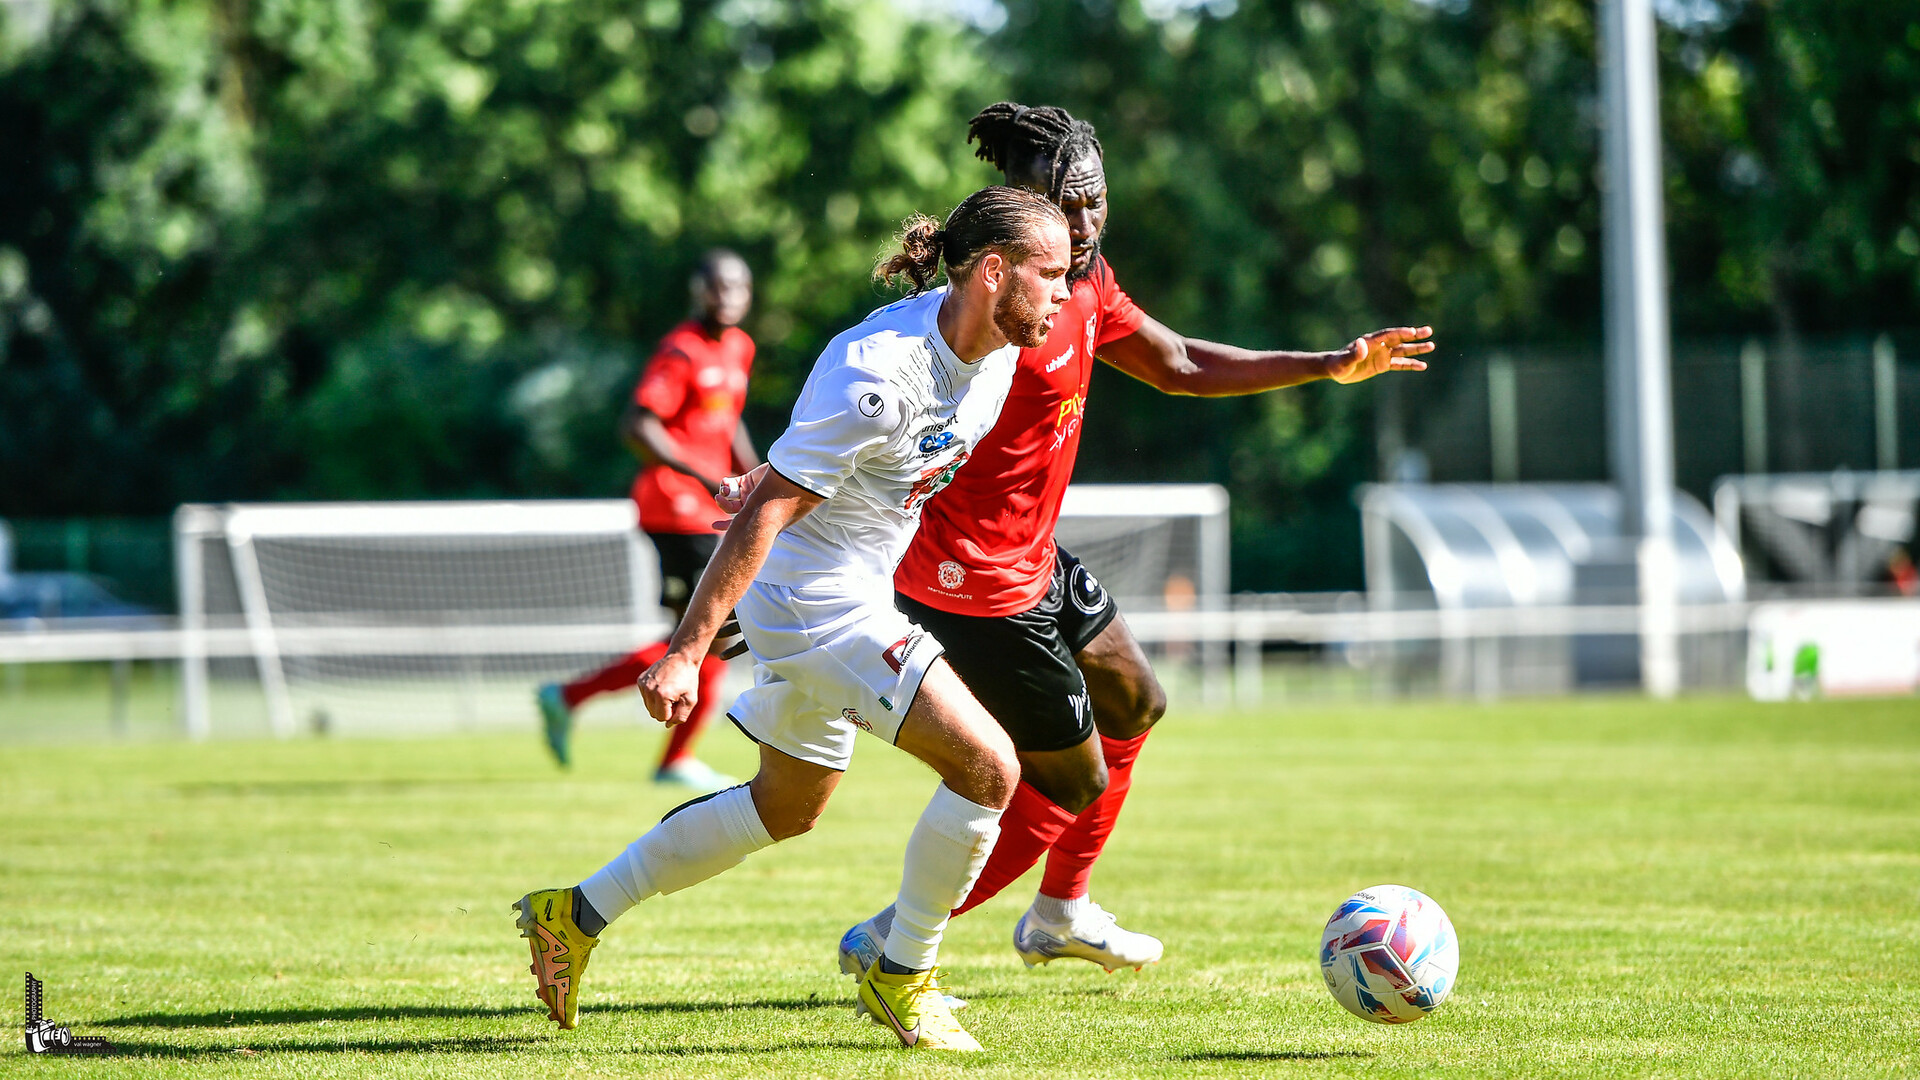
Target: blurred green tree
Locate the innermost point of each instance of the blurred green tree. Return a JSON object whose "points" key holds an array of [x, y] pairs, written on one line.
{"points": [[1297, 173], [351, 249], [335, 248]]}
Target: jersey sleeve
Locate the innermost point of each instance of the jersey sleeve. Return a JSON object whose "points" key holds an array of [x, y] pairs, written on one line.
{"points": [[836, 423], [663, 386], [1119, 315]]}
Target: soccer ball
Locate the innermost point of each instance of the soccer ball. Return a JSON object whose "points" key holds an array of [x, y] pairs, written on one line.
{"points": [[1389, 955]]}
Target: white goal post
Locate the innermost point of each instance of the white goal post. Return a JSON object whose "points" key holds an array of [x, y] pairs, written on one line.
{"points": [[418, 615], [422, 616]]}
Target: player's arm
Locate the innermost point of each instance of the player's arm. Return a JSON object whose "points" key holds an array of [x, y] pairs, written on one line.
{"points": [[646, 435], [1174, 364], [669, 687], [744, 458]]}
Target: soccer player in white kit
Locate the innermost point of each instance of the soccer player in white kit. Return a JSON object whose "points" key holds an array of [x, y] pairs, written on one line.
{"points": [[892, 409]]}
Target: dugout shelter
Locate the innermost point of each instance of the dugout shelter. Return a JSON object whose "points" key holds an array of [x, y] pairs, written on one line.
{"points": [[1470, 547]]}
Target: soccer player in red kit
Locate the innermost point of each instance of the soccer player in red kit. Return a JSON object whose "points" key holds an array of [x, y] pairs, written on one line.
{"points": [[1027, 627], [684, 423]]}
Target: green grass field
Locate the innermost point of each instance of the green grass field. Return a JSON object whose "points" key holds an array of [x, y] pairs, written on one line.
{"points": [[1702, 889]]}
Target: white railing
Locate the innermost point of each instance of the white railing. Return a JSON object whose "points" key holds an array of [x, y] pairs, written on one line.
{"points": [[1456, 643]]}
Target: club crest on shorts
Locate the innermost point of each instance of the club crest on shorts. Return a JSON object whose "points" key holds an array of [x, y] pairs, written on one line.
{"points": [[852, 716], [952, 574]]}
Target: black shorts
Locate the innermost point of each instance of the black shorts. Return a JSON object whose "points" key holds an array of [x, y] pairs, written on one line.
{"points": [[682, 557], [1021, 667]]}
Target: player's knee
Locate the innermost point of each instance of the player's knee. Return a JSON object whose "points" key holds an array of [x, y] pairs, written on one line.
{"points": [[1071, 784], [1153, 706], [1079, 792], [996, 771], [1141, 707], [789, 822], [785, 812]]}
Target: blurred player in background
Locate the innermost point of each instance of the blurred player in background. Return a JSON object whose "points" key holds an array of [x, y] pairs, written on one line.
{"points": [[1028, 628], [890, 412], [684, 425]]}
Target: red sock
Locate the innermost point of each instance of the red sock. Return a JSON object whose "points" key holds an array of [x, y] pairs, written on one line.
{"points": [[680, 740], [1031, 824], [1070, 862], [619, 675]]}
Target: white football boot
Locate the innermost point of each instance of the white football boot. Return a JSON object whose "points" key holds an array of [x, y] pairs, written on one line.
{"points": [[862, 944], [1093, 936]]}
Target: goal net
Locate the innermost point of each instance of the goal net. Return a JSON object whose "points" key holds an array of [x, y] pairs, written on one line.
{"points": [[419, 617], [1154, 546], [360, 617]]}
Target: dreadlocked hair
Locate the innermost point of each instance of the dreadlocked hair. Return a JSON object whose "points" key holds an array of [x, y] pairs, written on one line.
{"points": [[1005, 219], [1012, 135]]}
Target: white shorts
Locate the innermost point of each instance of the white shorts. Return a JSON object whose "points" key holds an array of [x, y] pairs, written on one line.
{"points": [[828, 663]]}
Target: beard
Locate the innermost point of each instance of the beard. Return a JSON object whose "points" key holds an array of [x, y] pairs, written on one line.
{"points": [[1078, 274], [1017, 319]]}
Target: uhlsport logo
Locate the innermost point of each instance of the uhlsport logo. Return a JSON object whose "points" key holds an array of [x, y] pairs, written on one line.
{"points": [[46, 1037]]}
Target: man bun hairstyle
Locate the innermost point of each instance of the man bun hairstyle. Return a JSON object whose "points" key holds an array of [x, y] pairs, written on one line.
{"points": [[1014, 136], [999, 218]]}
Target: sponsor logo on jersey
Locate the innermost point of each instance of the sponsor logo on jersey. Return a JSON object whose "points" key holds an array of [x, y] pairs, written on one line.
{"points": [[1060, 361], [936, 442], [1093, 327], [852, 716], [952, 574], [1067, 421], [897, 654], [871, 404], [933, 480]]}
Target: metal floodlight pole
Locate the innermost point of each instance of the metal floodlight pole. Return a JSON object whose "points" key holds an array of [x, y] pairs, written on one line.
{"points": [[1638, 391]]}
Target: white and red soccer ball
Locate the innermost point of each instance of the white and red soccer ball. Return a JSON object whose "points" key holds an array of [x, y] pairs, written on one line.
{"points": [[1389, 955]]}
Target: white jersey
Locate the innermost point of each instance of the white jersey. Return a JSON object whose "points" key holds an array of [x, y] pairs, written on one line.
{"points": [[887, 416]]}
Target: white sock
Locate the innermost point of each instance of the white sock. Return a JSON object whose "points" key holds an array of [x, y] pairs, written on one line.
{"points": [[690, 845], [883, 922], [949, 845], [1057, 911]]}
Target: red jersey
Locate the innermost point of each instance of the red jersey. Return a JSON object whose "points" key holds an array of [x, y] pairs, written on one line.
{"points": [[697, 386], [985, 545]]}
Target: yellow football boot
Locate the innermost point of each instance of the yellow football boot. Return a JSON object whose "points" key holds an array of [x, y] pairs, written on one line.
{"points": [[914, 1008], [560, 951]]}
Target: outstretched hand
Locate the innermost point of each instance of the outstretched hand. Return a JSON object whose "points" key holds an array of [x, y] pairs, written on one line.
{"points": [[1382, 350]]}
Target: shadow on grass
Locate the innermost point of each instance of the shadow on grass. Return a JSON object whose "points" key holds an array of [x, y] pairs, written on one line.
{"points": [[883, 1044], [369, 1014], [470, 1044], [1271, 1055], [227, 1018]]}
